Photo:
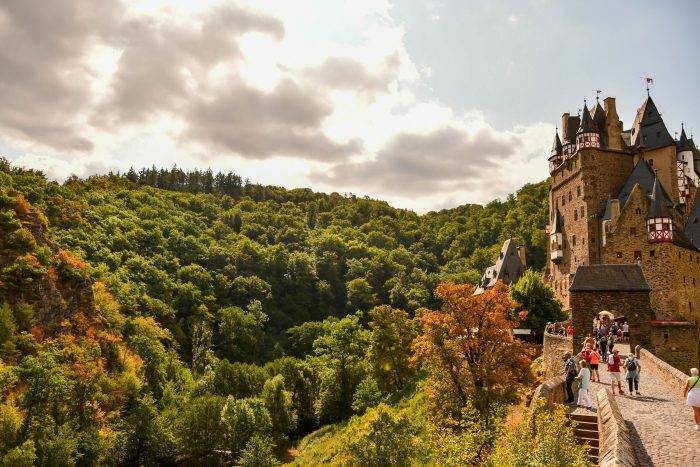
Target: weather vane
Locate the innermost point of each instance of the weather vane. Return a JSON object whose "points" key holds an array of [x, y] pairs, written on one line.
{"points": [[649, 80], [597, 95]]}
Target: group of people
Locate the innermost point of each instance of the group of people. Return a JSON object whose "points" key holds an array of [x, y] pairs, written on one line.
{"points": [[559, 329], [586, 370]]}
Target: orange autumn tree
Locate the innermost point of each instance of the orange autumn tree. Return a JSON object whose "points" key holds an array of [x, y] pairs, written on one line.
{"points": [[467, 347]]}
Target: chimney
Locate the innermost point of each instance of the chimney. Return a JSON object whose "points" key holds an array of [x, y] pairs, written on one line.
{"points": [[564, 126], [614, 209], [521, 255], [613, 125]]}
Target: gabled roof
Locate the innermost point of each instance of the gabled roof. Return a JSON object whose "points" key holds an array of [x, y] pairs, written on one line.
{"points": [[587, 124], [648, 130], [507, 269], [659, 202], [692, 227], [609, 277], [641, 175], [558, 223]]}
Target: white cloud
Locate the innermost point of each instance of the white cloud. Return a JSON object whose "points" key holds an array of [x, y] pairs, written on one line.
{"points": [[304, 93]]}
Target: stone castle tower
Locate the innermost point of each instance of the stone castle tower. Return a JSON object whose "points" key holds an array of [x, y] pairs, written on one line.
{"points": [[628, 197]]}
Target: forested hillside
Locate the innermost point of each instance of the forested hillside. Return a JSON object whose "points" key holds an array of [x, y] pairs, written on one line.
{"points": [[164, 316]]}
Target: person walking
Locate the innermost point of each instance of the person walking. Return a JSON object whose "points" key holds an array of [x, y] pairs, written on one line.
{"points": [[570, 372], [594, 361], [584, 380], [692, 394], [633, 368], [611, 342], [603, 348], [625, 332], [569, 330], [614, 370]]}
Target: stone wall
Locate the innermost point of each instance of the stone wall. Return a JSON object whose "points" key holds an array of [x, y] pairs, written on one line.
{"points": [[553, 391], [553, 350], [616, 448], [676, 343], [673, 377], [633, 305]]}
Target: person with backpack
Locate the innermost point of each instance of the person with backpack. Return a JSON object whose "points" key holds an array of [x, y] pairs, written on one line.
{"points": [[570, 372], [614, 370], [692, 394], [603, 348], [613, 328], [633, 368], [611, 342], [593, 362]]}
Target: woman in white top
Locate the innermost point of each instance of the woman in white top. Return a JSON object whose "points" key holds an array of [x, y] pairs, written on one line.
{"points": [[584, 379], [692, 393]]}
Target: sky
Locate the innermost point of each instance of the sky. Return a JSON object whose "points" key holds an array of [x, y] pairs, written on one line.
{"points": [[426, 104]]}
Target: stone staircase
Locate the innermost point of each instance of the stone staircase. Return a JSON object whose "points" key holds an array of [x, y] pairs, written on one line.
{"points": [[586, 433]]}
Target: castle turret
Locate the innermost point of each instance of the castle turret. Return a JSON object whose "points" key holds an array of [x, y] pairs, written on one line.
{"points": [[556, 155], [587, 135], [569, 125], [659, 220], [556, 238], [686, 159]]}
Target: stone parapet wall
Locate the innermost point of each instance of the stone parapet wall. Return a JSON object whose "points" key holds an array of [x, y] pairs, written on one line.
{"points": [[553, 350], [553, 391], [676, 343], [616, 448], [673, 377]]}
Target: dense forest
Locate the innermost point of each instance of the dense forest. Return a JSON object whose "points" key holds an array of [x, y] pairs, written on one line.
{"points": [[171, 317]]}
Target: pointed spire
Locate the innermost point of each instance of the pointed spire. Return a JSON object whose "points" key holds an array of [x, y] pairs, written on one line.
{"points": [[684, 144], [659, 202], [586, 121], [556, 146]]}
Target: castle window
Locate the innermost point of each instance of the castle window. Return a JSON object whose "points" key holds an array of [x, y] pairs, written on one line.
{"points": [[633, 231], [693, 281], [652, 253], [619, 254], [563, 201], [575, 215], [592, 239], [570, 198], [637, 211], [651, 162], [637, 255], [573, 240], [583, 212], [578, 190], [583, 240], [684, 279]]}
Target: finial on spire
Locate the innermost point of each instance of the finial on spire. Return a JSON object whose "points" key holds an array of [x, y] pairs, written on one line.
{"points": [[649, 80], [597, 95]]}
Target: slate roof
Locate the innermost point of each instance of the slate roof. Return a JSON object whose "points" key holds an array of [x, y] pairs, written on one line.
{"points": [[609, 277], [684, 143], [556, 146], [507, 269], [659, 203], [649, 130], [692, 227], [587, 124], [642, 175]]}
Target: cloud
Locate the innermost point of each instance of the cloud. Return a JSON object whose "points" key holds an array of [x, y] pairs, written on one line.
{"points": [[346, 73], [43, 77], [163, 65], [256, 124], [420, 164]]}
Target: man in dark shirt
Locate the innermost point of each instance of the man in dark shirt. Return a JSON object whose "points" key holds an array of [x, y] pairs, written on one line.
{"points": [[570, 372]]}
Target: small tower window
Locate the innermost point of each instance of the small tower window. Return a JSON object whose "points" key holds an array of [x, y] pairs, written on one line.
{"points": [[633, 231], [652, 253], [573, 240], [637, 255], [651, 162], [570, 197], [578, 190], [638, 211], [575, 215], [619, 254], [583, 211]]}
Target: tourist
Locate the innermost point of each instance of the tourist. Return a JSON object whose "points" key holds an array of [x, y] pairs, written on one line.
{"points": [[633, 368], [586, 353], [562, 332], [625, 332], [584, 379], [603, 348], [570, 372], [614, 370], [590, 340], [611, 342], [692, 394], [549, 328], [594, 361], [613, 327], [569, 330]]}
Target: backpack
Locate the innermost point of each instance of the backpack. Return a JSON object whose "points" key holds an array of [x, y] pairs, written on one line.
{"points": [[632, 365], [613, 329]]}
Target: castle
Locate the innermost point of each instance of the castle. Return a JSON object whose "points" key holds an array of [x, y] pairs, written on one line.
{"points": [[627, 197]]}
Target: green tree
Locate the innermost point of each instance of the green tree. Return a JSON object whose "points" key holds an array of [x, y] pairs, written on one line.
{"points": [[367, 395], [200, 428], [390, 347], [241, 420], [241, 332], [538, 300], [278, 402], [258, 453], [381, 438], [360, 295]]}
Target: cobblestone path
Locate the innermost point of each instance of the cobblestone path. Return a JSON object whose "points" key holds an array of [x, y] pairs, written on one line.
{"points": [[660, 423]]}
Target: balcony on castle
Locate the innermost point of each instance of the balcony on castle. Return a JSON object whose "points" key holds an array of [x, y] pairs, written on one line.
{"points": [[557, 255], [659, 229]]}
